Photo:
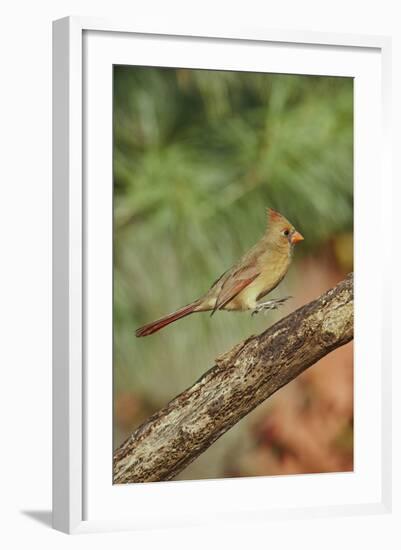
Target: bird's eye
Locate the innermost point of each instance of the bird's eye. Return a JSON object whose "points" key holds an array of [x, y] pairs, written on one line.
{"points": [[286, 232]]}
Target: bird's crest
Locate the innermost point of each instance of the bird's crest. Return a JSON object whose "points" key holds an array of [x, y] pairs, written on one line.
{"points": [[273, 216], [276, 220]]}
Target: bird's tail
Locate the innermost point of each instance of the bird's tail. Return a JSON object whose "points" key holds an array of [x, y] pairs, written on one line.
{"points": [[150, 328]]}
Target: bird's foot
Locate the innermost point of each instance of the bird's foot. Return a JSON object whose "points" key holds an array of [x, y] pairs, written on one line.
{"points": [[271, 304]]}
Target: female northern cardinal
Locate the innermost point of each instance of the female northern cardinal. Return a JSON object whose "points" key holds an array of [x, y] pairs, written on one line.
{"points": [[257, 273]]}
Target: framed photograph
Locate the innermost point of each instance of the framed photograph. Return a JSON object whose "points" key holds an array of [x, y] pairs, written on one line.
{"points": [[213, 194]]}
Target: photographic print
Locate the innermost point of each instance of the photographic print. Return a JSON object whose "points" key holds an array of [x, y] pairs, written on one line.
{"points": [[232, 254]]}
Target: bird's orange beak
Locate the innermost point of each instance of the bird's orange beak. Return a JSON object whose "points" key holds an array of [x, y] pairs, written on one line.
{"points": [[296, 238]]}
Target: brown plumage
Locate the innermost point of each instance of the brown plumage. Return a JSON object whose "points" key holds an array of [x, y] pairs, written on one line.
{"points": [[256, 274]]}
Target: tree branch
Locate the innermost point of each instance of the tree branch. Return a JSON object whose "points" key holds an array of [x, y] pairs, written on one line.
{"points": [[241, 379]]}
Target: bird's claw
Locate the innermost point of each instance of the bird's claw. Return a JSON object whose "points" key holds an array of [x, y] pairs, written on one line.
{"points": [[271, 304]]}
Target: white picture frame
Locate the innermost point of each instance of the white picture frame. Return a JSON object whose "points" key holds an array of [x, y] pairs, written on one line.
{"points": [[83, 51]]}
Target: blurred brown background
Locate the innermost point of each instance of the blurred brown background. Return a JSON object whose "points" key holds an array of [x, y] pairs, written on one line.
{"points": [[198, 156]]}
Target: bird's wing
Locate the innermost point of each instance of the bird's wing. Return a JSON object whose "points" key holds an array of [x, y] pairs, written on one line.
{"points": [[234, 283]]}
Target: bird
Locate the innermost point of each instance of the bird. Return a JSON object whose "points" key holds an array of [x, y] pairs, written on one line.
{"points": [[241, 287]]}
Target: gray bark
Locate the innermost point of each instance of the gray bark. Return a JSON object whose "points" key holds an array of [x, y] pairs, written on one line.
{"points": [[241, 379]]}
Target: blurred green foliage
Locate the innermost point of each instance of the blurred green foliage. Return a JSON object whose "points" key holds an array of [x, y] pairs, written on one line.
{"points": [[198, 156]]}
